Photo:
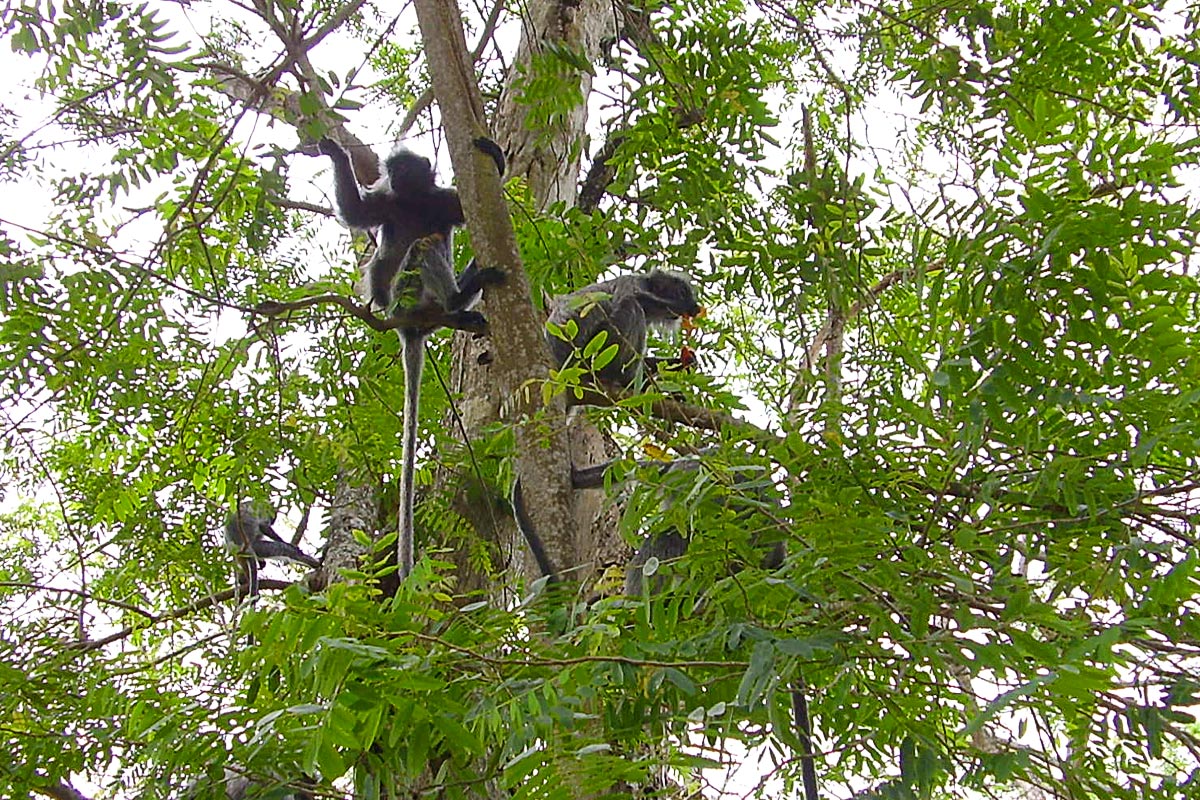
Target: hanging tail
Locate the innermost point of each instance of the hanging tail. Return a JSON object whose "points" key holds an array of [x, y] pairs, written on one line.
{"points": [[413, 344]]}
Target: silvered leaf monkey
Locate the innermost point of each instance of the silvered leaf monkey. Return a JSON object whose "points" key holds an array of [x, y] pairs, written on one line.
{"points": [[405, 205], [412, 271], [235, 786], [622, 309], [745, 493], [252, 540]]}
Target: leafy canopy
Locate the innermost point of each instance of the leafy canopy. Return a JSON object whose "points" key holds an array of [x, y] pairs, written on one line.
{"points": [[947, 252]]}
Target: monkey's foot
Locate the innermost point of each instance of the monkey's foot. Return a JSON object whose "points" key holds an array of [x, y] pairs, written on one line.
{"points": [[491, 276], [492, 149], [471, 321], [427, 320]]}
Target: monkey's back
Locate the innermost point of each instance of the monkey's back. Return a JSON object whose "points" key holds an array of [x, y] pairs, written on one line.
{"points": [[612, 307]]}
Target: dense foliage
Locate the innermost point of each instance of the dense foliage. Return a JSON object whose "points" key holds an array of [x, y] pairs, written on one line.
{"points": [[946, 250]]}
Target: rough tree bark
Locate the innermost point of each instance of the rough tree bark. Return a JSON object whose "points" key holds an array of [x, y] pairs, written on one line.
{"points": [[550, 161], [520, 357]]}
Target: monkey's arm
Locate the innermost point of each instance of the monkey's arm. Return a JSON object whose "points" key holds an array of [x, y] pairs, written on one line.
{"points": [[358, 210], [267, 531], [272, 548]]}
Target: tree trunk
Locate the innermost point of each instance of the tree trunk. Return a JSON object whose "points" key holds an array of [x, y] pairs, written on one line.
{"points": [[550, 160]]}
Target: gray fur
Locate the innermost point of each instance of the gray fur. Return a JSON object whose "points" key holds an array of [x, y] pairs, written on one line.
{"points": [[623, 308], [251, 538]]}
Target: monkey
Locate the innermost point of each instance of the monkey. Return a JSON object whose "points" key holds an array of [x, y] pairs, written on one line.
{"points": [[406, 204], [672, 543], [234, 786], [621, 308], [252, 540], [412, 270]]}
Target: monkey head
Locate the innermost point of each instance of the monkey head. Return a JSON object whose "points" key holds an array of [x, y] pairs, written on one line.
{"points": [[408, 172], [668, 296]]}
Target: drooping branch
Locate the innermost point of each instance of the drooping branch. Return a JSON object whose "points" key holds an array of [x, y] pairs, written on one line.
{"points": [[600, 175], [86, 596], [263, 93], [284, 105]]}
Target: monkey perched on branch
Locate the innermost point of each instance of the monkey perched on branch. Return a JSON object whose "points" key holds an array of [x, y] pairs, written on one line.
{"points": [[747, 490], [612, 315], [621, 310], [252, 540], [412, 273], [406, 205]]}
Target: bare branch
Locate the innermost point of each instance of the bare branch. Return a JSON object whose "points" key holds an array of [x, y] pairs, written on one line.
{"points": [[676, 411], [80, 593], [426, 98], [87, 645], [834, 320], [600, 175]]}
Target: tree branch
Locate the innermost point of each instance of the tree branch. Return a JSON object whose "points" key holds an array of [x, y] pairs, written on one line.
{"points": [[61, 791], [672, 410], [600, 175], [422, 102], [835, 320], [81, 594], [87, 645], [430, 318]]}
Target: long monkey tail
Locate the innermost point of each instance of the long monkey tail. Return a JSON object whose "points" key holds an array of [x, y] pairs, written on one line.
{"points": [[803, 722], [251, 565], [413, 345]]}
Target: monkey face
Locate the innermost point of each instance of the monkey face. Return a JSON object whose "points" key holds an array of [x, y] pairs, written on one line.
{"points": [[409, 172]]}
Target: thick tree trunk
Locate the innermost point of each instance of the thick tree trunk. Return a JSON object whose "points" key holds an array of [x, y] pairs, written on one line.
{"points": [[355, 507], [550, 161]]}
